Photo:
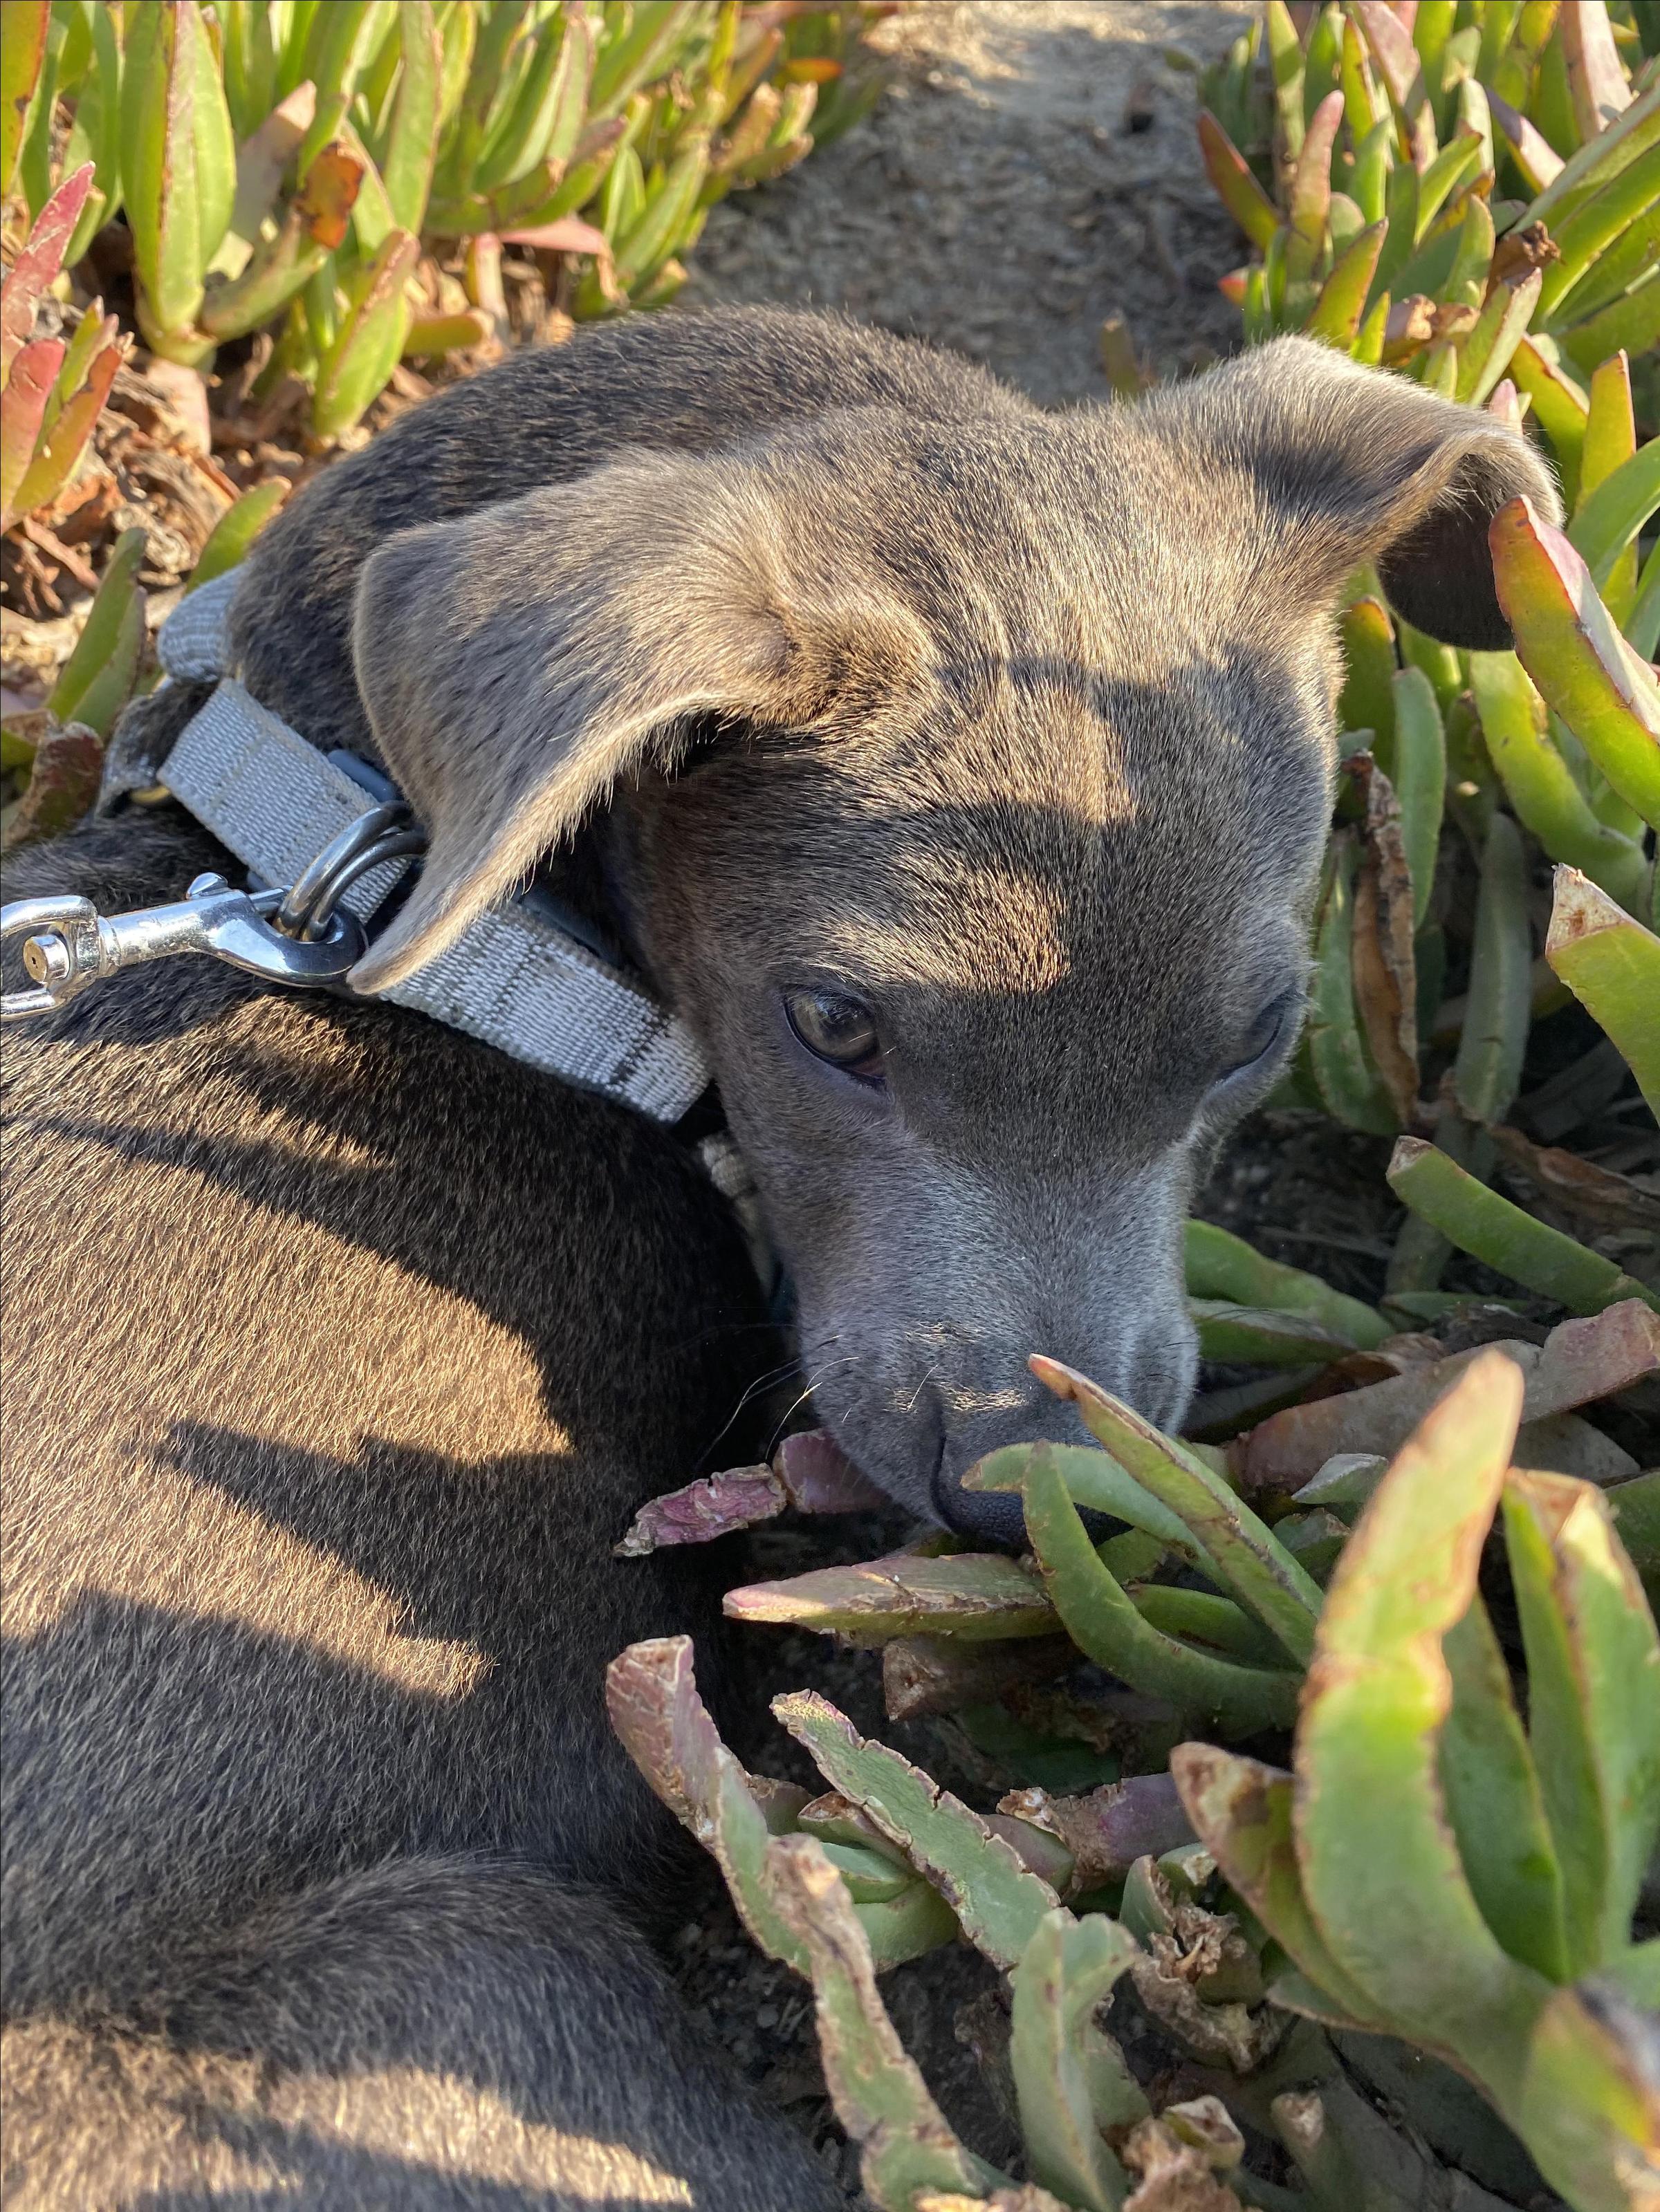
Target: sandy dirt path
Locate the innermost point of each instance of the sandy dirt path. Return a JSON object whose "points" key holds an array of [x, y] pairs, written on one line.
{"points": [[1034, 170]]}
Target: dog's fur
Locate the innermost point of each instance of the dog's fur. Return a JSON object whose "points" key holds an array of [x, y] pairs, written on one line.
{"points": [[339, 1347]]}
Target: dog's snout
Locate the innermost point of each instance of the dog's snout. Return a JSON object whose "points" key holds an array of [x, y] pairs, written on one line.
{"points": [[1153, 1371], [992, 1520]]}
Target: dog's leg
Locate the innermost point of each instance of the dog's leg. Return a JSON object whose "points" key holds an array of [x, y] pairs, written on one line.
{"points": [[429, 2035]]}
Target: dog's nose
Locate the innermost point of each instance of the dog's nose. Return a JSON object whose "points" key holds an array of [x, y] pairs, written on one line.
{"points": [[1155, 1375], [996, 1518], [992, 1520]]}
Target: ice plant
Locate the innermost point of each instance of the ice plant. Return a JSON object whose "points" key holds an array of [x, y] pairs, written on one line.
{"points": [[1429, 1867], [54, 388], [294, 164], [1468, 196], [64, 753], [1432, 1868]]}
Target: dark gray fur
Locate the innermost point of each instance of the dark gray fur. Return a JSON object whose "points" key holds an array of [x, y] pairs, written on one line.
{"points": [[340, 1348]]}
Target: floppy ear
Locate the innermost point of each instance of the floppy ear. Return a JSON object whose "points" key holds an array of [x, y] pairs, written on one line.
{"points": [[516, 662], [1354, 465]]}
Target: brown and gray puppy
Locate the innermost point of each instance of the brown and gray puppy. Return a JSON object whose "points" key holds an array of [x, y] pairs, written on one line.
{"points": [[959, 773]]}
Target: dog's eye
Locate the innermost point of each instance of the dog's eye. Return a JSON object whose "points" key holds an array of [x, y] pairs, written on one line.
{"points": [[836, 1029], [1261, 1038]]}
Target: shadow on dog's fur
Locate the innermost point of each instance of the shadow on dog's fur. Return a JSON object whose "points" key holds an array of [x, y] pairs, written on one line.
{"points": [[321, 1417], [340, 1348]]}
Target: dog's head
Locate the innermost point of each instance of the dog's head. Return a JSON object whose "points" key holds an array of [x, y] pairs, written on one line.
{"points": [[967, 786]]}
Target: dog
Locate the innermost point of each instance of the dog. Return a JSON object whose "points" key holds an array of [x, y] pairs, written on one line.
{"points": [[957, 774]]}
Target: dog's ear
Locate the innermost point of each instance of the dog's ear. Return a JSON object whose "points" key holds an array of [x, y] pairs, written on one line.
{"points": [[515, 663], [1354, 464]]}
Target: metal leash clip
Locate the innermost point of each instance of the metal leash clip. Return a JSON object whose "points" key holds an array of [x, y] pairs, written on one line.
{"points": [[300, 935]]}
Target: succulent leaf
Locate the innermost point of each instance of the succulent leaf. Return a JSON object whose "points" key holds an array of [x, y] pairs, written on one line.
{"points": [[1569, 643], [651, 1696], [998, 1901], [969, 1595], [1219, 1265], [412, 143], [1390, 1893], [1494, 1802], [1096, 1482], [1479, 1221], [1612, 965], [1540, 784], [228, 541], [1258, 1568], [880, 2097], [361, 357], [1070, 2078], [1105, 1623], [1593, 1703], [1487, 1072], [21, 54], [1242, 1810], [1237, 189], [28, 394]]}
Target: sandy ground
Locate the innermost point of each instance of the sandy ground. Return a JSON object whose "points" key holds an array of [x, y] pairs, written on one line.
{"points": [[1033, 170]]}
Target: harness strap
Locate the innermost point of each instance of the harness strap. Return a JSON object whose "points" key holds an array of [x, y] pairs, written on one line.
{"points": [[513, 979]]}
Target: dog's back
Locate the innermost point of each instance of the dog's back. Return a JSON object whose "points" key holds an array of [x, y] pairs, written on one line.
{"points": [[339, 1349], [338, 1352]]}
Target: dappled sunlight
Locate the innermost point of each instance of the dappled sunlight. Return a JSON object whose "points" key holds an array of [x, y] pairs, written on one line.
{"points": [[471, 2133], [176, 1555]]}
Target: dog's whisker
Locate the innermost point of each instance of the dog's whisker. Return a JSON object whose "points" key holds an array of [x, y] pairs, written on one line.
{"points": [[757, 1389], [922, 1387]]}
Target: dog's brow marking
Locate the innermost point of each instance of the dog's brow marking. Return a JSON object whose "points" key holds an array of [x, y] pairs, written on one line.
{"points": [[974, 925]]}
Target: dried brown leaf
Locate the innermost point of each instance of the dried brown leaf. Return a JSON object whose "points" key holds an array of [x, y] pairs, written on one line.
{"points": [[1593, 1194], [1384, 967], [818, 1477], [1590, 1359], [1579, 1363], [570, 234], [1409, 326], [1231, 2034], [63, 784], [698, 1512], [1108, 1830], [1207, 2125], [1519, 250], [1028, 2197], [1176, 2176]]}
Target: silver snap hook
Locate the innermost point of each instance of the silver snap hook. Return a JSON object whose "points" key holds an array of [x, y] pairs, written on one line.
{"points": [[68, 945]]}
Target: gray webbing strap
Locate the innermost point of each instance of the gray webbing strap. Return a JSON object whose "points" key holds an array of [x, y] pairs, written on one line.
{"points": [[511, 979]]}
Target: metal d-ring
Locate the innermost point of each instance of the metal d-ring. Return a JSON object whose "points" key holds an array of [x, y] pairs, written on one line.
{"points": [[385, 833]]}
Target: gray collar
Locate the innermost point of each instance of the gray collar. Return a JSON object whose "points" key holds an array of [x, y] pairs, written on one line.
{"points": [[519, 978]]}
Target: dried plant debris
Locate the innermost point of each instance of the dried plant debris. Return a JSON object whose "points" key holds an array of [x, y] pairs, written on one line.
{"points": [[808, 1472]]}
